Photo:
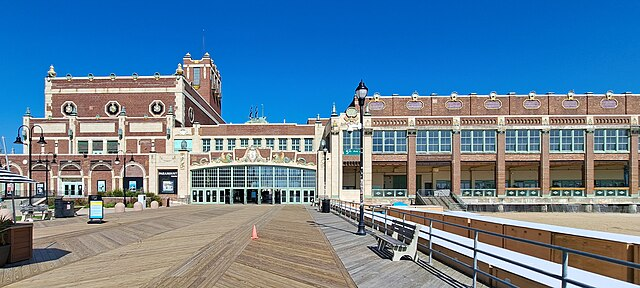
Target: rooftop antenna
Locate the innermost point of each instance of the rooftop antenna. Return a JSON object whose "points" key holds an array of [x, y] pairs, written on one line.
{"points": [[203, 47]]}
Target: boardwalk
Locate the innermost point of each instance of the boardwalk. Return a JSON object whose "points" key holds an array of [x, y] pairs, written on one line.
{"points": [[369, 269], [209, 246]]}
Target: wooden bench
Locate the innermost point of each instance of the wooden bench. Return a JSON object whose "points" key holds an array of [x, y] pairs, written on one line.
{"points": [[402, 242]]}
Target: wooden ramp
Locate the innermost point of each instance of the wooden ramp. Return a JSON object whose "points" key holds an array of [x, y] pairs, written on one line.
{"points": [[369, 268]]}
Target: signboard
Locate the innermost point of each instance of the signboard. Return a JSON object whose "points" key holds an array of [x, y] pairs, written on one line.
{"points": [[96, 210], [167, 181], [9, 188], [102, 186], [40, 190], [351, 151]]}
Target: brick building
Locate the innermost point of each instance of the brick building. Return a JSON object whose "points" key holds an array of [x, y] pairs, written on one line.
{"points": [[569, 148], [552, 148]]}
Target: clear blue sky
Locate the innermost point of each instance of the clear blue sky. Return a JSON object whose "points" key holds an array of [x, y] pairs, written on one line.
{"points": [[297, 57]]}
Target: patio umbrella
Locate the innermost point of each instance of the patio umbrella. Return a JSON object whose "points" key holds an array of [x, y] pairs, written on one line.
{"points": [[8, 177]]}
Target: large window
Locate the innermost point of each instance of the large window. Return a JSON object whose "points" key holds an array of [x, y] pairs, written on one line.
{"points": [[480, 141], [83, 147], [523, 140], [389, 141], [196, 76], [295, 144], [270, 143], [219, 144], [566, 140], [433, 141], [257, 142], [244, 143], [112, 146], [608, 140], [253, 176], [231, 144], [282, 144], [97, 147], [351, 142], [206, 145], [308, 144]]}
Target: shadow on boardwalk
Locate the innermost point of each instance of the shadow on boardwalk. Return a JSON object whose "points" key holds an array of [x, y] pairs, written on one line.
{"points": [[41, 255]]}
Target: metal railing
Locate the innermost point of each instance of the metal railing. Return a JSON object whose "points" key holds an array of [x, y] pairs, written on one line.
{"points": [[568, 192], [611, 191], [478, 192], [381, 214], [390, 193], [523, 192]]}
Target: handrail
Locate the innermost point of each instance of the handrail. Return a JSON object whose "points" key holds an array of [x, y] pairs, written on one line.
{"points": [[565, 251]]}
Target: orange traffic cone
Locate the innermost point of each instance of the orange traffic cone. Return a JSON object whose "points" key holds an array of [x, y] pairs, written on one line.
{"points": [[254, 233]]}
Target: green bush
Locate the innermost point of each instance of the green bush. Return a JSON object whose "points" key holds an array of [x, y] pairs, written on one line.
{"points": [[153, 197], [110, 205], [115, 193]]}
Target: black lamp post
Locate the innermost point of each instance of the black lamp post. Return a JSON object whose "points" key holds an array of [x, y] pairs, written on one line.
{"points": [[47, 168], [323, 145], [41, 141], [361, 93], [124, 173]]}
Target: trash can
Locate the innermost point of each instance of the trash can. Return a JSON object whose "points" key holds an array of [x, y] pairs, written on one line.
{"points": [[63, 208], [326, 205]]}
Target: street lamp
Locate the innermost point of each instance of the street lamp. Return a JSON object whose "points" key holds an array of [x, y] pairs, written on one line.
{"points": [[29, 132], [361, 93], [47, 168], [323, 145], [124, 173]]}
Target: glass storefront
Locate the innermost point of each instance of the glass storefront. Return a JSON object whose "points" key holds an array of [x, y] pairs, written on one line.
{"points": [[256, 184]]}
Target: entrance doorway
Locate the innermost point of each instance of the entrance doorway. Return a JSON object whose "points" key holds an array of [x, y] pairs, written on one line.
{"points": [[252, 196], [277, 197], [227, 196], [266, 197], [239, 196]]}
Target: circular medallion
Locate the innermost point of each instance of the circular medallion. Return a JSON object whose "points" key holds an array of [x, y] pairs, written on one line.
{"points": [[156, 108], [112, 108], [69, 108]]}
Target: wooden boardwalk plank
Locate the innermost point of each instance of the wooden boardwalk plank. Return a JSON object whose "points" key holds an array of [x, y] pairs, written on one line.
{"points": [[368, 269]]}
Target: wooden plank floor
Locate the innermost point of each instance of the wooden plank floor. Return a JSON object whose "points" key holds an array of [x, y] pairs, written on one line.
{"points": [[370, 269], [187, 246]]}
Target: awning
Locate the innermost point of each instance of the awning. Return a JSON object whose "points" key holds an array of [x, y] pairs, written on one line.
{"points": [[8, 177]]}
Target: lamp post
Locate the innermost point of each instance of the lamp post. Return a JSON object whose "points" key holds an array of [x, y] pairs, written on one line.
{"points": [[47, 168], [324, 158], [124, 173], [323, 145], [361, 93], [29, 132]]}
